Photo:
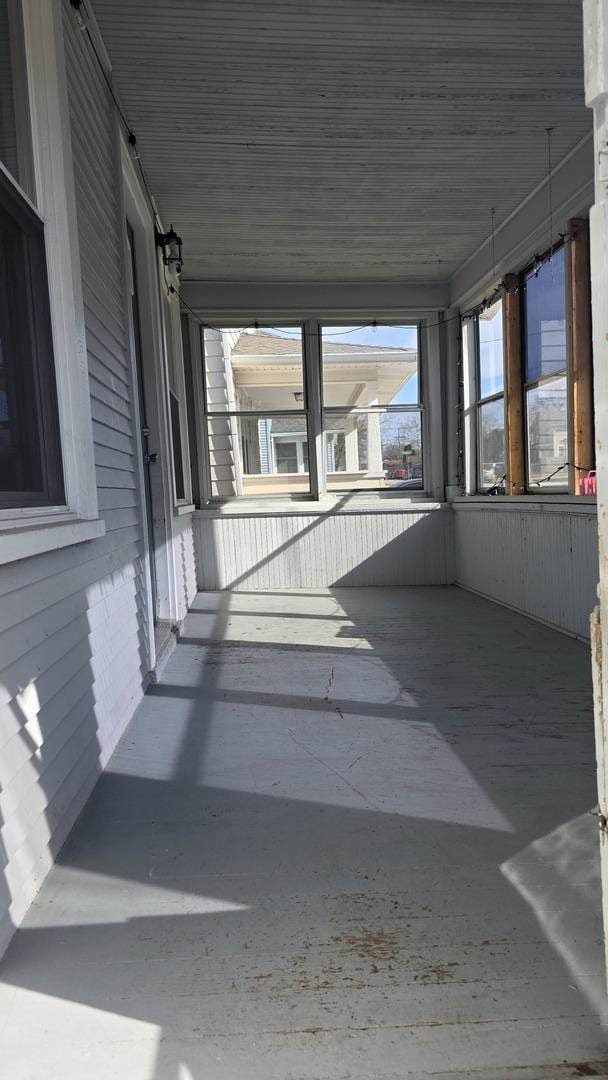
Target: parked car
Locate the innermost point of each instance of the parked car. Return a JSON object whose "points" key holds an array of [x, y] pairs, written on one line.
{"points": [[414, 482]]}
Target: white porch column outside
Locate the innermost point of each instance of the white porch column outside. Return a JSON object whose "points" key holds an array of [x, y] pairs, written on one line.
{"points": [[351, 444], [374, 441]]}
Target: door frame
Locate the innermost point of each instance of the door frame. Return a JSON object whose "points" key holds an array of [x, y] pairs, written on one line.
{"points": [[135, 209]]}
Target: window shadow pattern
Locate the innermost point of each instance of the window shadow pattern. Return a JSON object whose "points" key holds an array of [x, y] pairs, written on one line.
{"points": [[295, 862]]}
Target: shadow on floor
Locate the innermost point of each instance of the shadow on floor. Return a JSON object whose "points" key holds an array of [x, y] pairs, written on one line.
{"points": [[329, 845]]}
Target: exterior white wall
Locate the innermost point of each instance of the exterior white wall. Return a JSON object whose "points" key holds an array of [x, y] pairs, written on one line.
{"points": [[73, 625], [540, 558], [308, 548]]}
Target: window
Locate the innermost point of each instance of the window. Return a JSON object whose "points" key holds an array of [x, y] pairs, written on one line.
{"points": [[290, 452], [255, 413], [545, 373], [371, 407], [491, 458], [177, 400], [31, 472], [365, 429]]}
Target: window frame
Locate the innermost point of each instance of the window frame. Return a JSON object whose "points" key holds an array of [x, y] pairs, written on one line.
{"points": [[29, 530], [531, 487], [175, 382], [381, 410], [297, 439], [318, 418], [40, 397], [235, 414], [480, 401]]}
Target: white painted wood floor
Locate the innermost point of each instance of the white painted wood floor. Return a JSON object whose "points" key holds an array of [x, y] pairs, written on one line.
{"points": [[348, 835]]}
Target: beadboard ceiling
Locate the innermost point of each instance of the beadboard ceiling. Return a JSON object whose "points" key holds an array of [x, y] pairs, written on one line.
{"points": [[343, 140]]}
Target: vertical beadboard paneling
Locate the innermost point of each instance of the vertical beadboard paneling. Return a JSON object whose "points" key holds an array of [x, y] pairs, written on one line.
{"points": [[320, 549], [542, 562]]}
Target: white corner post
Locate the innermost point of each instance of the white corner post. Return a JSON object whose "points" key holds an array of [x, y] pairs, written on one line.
{"points": [[432, 344], [469, 411], [452, 377], [596, 90]]}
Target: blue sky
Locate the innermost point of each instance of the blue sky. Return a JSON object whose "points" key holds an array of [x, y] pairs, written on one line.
{"points": [[392, 337]]}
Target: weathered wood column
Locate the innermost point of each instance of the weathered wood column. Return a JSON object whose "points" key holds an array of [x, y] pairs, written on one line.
{"points": [[581, 379], [515, 439]]}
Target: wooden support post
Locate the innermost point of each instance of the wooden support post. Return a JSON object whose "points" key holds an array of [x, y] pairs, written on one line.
{"points": [[581, 391], [515, 440]]}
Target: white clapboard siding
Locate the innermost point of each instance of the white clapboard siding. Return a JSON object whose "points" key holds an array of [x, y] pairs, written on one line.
{"points": [[73, 632], [183, 542], [219, 396], [542, 561], [309, 549]]}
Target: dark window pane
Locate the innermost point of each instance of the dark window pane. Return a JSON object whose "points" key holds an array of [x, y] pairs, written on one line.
{"points": [[369, 366], [547, 421], [286, 456], [491, 374], [491, 443], [8, 129], [30, 457], [190, 412], [15, 143], [176, 439], [545, 319], [373, 450]]}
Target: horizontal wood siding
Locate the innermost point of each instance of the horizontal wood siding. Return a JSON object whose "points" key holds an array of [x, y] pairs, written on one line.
{"points": [[72, 622], [318, 550], [543, 563], [186, 563]]}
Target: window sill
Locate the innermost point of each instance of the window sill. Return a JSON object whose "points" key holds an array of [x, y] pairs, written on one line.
{"points": [[187, 508], [347, 503], [30, 536], [534, 504]]}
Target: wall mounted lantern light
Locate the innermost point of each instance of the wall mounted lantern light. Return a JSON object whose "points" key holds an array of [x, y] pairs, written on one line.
{"points": [[171, 245]]}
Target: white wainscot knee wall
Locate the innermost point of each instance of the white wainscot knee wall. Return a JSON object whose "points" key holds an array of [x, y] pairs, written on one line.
{"points": [[308, 547], [537, 556]]}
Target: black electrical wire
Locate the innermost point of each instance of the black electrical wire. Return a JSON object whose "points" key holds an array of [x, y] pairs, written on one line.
{"points": [[498, 487]]}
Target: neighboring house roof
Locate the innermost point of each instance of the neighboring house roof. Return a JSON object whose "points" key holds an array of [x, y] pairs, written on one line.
{"points": [[263, 344], [268, 369]]}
